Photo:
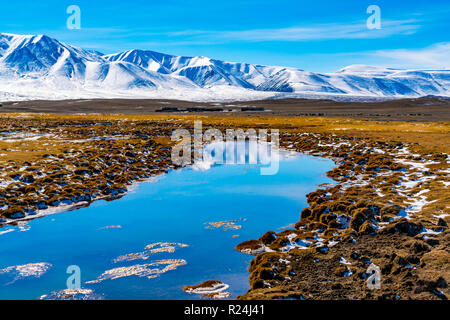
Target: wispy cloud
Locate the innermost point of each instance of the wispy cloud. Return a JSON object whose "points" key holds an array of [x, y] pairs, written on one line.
{"points": [[435, 56], [357, 30], [112, 37]]}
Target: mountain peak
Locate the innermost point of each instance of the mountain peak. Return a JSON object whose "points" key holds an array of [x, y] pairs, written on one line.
{"points": [[36, 63]]}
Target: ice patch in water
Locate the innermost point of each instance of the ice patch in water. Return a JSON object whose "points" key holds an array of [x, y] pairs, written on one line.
{"points": [[150, 249], [149, 270], [30, 270], [72, 294], [225, 225]]}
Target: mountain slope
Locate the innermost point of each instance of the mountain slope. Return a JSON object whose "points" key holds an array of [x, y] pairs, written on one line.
{"points": [[32, 66], [42, 55]]}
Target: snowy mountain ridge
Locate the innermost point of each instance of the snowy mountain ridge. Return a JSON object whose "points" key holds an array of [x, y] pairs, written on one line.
{"points": [[40, 67]]}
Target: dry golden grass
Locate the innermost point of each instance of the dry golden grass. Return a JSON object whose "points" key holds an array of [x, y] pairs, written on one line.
{"points": [[315, 123], [430, 136]]}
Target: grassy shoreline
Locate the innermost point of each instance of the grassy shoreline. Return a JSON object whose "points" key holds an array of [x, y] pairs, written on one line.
{"points": [[390, 204]]}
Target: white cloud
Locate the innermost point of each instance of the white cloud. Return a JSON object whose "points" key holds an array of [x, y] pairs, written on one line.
{"points": [[435, 56], [357, 30]]}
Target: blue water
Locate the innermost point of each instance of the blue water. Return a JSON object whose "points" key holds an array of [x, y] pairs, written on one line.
{"points": [[172, 209]]}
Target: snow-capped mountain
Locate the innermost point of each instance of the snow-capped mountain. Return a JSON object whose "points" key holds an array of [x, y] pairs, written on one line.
{"points": [[202, 71], [33, 67]]}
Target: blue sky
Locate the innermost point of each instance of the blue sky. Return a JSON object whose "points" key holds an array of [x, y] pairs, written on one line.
{"points": [[321, 36]]}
